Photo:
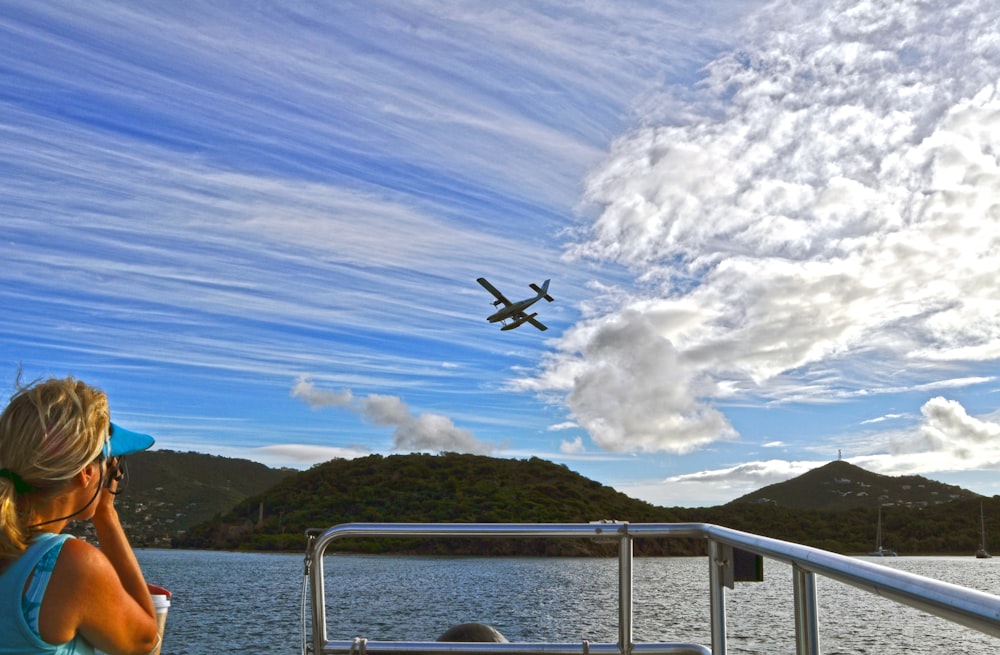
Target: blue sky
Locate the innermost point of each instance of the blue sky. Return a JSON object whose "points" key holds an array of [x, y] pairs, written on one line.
{"points": [[772, 231]]}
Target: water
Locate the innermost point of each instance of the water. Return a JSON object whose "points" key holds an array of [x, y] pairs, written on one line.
{"points": [[252, 601], [228, 602]]}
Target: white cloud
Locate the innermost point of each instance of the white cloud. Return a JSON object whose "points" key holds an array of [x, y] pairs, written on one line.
{"points": [[565, 425], [757, 474], [880, 419], [634, 392], [715, 487], [305, 390], [411, 432], [574, 447], [955, 439], [946, 440], [308, 453], [829, 205], [948, 422]]}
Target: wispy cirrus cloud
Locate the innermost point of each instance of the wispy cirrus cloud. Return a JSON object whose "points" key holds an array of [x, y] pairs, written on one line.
{"points": [[817, 222], [778, 209]]}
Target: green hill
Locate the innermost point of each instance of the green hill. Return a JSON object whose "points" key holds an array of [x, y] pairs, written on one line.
{"points": [[840, 486], [425, 488], [204, 501], [167, 492], [835, 507], [947, 529], [928, 517]]}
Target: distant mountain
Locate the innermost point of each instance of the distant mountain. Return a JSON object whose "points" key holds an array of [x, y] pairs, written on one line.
{"points": [[840, 514], [840, 486], [204, 501], [166, 492], [424, 488]]}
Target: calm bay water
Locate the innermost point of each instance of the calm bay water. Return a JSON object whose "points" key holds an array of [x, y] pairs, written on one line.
{"points": [[252, 601]]}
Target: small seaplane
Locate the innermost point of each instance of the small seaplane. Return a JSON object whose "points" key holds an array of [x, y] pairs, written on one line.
{"points": [[512, 314]]}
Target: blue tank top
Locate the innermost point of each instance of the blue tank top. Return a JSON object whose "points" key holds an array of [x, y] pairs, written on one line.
{"points": [[19, 607]]}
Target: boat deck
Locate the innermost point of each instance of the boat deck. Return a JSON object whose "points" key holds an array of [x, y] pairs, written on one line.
{"points": [[733, 556]]}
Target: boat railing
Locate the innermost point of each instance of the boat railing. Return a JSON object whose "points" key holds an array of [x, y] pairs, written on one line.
{"points": [[727, 550]]}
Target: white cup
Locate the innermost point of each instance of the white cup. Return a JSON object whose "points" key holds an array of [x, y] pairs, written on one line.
{"points": [[162, 605]]}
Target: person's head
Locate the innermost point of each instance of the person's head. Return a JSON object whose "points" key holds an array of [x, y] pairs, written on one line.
{"points": [[49, 433]]}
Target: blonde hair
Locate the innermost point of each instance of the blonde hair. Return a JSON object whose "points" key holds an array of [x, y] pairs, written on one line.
{"points": [[49, 432]]}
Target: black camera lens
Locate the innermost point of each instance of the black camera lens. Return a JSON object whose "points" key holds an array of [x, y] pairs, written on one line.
{"points": [[116, 473]]}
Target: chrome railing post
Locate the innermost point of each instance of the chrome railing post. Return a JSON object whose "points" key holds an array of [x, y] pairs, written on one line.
{"points": [[806, 612], [317, 593], [716, 562], [968, 607], [625, 593]]}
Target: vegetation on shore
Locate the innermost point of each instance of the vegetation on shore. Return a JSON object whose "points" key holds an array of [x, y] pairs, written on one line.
{"points": [[166, 492], [428, 488], [919, 516]]}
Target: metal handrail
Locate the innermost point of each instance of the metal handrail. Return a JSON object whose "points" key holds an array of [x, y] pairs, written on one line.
{"points": [[969, 607]]}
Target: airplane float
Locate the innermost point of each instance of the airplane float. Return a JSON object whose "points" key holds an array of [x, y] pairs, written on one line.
{"points": [[514, 311]]}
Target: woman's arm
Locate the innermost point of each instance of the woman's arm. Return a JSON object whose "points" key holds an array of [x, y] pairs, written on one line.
{"points": [[101, 594], [115, 546]]}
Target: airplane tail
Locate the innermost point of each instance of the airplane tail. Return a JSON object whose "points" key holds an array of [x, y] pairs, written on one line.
{"points": [[543, 290]]}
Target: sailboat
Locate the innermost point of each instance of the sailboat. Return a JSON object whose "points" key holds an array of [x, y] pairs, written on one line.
{"points": [[879, 551], [982, 553]]}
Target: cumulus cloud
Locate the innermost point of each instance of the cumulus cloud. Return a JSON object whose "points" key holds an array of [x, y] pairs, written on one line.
{"points": [[947, 430], [947, 439], [634, 392], [421, 432], [574, 447], [305, 390], [825, 217]]}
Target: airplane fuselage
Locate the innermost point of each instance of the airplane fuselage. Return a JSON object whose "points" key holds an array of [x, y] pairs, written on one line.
{"points": [[512, 314], [512, 309]]}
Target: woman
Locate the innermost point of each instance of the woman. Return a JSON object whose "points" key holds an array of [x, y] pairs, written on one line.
{"points": [[58, 462]]}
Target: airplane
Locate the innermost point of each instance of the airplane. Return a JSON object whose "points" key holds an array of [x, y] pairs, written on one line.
{"points": [[514, 311]]}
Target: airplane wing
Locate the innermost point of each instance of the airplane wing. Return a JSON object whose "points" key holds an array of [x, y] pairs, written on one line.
{"points": [[538, 324], [517, 319], [489, 287]]}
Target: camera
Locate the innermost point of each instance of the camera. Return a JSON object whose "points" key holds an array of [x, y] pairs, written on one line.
{"points": [[115, 473]]}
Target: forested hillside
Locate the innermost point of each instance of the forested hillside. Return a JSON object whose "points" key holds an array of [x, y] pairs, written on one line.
{"points": [[427, 488], [472, 488], [947, 529], [167, 492], [841, 485]]}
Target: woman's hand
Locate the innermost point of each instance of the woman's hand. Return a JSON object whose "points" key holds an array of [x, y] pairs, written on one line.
{"points": [[109, 487], [157, 590]]}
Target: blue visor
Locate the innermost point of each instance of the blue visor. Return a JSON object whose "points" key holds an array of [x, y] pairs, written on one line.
{"points": [[126, 442]]}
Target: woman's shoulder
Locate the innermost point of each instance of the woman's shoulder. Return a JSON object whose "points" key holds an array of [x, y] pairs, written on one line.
{"points": [[79, 579], [47, 540], [81, 560]]}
